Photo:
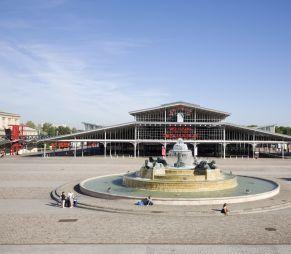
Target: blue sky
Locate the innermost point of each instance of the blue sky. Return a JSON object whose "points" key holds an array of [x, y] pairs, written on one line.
{"points": [[71, 61]]}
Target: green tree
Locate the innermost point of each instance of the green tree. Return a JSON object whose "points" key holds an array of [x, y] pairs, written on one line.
{"points": [[61, 130], [74, 130], [49, 129], [30, 124], [283, 130]]}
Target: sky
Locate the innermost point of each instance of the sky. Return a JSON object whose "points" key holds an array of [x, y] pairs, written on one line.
{"points": [[71, 61]]}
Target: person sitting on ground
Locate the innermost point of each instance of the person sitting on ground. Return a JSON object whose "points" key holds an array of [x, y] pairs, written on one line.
{"points": [[2, 154], [150, 202], [225, 209], [75, 201], [147, 201], [63, 199]]}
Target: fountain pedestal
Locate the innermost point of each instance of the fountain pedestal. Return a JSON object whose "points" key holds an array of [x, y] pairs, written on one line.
{"points": [[184, 181], [181, 177]]}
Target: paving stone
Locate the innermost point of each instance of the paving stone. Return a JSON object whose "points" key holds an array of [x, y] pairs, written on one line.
{"points": [[29, 216]]}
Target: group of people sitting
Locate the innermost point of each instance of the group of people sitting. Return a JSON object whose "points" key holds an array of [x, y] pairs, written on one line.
{"points": [[145, 202], [71, 201], [68, 201]]}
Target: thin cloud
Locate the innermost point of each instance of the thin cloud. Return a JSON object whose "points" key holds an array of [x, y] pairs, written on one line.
{"points": [[61, 85]]}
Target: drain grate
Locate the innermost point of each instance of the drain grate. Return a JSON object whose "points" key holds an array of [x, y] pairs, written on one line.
{"points": [[68, 220], [270, 229]]}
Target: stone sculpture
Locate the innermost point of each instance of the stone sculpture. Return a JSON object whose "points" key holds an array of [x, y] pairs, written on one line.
{"points": [[152, 163], [204, 165]]}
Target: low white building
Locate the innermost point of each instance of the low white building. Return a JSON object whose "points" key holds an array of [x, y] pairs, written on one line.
{"points": [[29, 132], [7, 119]]}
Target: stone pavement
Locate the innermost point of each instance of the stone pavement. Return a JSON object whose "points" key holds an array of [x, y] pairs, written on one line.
{"points": [[30, 217], [145, 249]]}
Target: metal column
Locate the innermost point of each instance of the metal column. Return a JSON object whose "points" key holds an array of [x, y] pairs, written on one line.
{"points": [[44, 149], [134, 150], [254, 148], [282, 147], [224, 144], [105, 144], [82, 145], [75, 146], [195, 152]]}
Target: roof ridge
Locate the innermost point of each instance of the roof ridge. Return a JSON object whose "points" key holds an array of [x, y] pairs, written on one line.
{"points": [[177, 103]]}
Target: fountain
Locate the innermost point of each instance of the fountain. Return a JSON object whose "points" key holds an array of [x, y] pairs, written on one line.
{"points": [[185, 175], [184, 181]]}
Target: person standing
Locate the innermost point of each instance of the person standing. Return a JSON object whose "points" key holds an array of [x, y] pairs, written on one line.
{"points": [[163, 152], [70, 198], [63, 199]]}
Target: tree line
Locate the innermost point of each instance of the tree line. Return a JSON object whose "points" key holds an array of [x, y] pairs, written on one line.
{"points": [[48, 129], [278, 129], [283, 130]]}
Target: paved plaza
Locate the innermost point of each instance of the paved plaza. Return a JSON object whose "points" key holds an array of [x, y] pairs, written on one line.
{"points": [[30, 218]]}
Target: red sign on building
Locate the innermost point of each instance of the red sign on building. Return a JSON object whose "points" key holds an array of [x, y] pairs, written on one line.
{"points": [[180, 132]]}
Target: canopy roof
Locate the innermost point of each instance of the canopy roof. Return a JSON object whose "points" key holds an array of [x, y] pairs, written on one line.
{"points": [[180, 103], [132, 124]]}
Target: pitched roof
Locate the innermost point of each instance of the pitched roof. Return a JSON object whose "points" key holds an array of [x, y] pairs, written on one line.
{"points": [[179, 103], [9, 114], [73, 135]]}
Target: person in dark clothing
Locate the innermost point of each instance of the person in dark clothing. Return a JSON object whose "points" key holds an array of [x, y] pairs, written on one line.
{"points": [[224, 209], [151, 159], [147, 201], [63, 199]]}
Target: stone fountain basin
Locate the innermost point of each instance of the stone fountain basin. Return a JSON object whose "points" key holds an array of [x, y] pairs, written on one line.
{"points": [[189, 184], [258, 189]]}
